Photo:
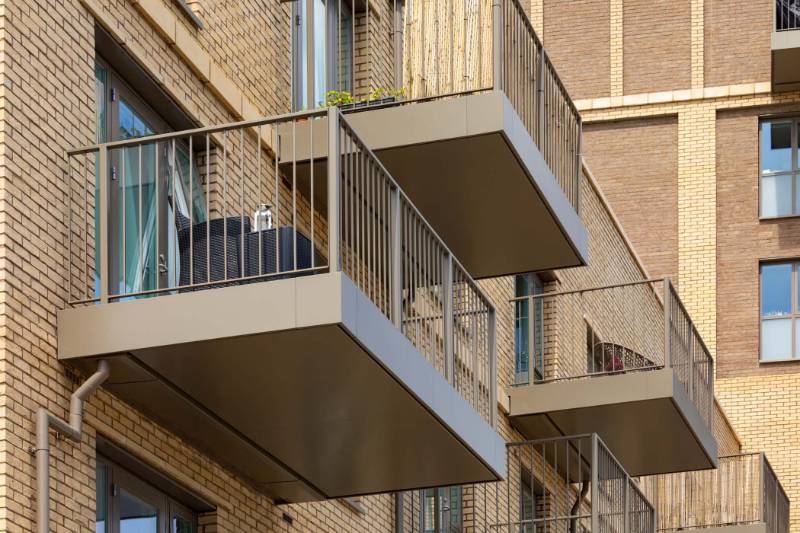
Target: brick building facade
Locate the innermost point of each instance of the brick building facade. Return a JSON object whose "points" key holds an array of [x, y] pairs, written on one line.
{"points": [[235, 65], [710, 78]]}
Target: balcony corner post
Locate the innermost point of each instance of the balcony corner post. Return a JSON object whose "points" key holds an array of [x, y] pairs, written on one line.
{"points": [[334, 192], [398, 44], [449, 319], [497, 45], [690, 362], [102, 245], [578, 169], [762, 493], [667, 323], [540, 102], [626, 509], [595, 517], [493, 368], [397, 259]]}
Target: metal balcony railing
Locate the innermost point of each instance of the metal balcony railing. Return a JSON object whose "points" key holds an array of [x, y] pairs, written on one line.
{"points": [[444, 48], [627, 327], [743, 490], [558, 485], [447, 51], [215, 207], [787, 15]]}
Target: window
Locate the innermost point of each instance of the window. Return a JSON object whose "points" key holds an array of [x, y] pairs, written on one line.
{"points": [[145, 245], [780, 317], [779, 190], [322, 50], [441, 510], [528, 333], [534, 502], [129, 504]]}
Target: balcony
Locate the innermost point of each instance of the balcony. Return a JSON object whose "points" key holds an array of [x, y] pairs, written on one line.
{"points": [[743, 495], [564, 485], [487, 140], [786, 46], [624, 361], [319, 353]]}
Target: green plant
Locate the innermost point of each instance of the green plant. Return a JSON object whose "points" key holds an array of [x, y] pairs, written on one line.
{"points": [[337, 98]]}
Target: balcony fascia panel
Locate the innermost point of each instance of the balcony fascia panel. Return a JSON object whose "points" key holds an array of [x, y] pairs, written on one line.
{"points": [[785, 59], [642, 416], [199, 353], [472, 169]]}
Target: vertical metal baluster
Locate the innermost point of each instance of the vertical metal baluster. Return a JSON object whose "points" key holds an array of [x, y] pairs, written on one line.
{"points": [[224, 203], [174, 221], [70, 179], [311, 160], [157, 183], [124, 225], [139, 225], [294, 196], [277, 193], [191, 210], [260, 177], [241, 203], [87, 228], [208, 208]]}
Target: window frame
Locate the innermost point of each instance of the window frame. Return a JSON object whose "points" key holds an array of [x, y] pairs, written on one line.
{"points": [[794, 172], [793, 316], [301, 55], [118, 476], [439, 494], [536, 327]]}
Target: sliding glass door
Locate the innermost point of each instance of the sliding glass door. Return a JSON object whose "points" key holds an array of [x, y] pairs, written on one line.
{"points": [[143, 181]]}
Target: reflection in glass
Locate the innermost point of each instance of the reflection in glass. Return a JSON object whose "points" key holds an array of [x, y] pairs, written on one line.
{"points": [[776, 147], [776, 289], [776, 339], [181, 525], [776, 196], [136, 516], [526, 285], [101, 505]]}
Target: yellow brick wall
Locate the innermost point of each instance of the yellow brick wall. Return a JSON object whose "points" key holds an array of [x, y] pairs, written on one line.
{"points": [[764, 410], [49, 103], [730, 70]]}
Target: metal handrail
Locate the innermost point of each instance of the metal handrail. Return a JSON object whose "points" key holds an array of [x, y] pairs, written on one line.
{"points": [[248, 168], [675, 343], [743, 489]]}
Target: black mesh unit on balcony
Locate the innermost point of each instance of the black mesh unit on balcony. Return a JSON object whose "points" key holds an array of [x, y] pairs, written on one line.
{"points": [[211, 255]]}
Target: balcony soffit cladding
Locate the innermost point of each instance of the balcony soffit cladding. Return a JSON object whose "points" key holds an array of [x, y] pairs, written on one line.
{"points": [[316, 395], [646, 418], [472, 169]]}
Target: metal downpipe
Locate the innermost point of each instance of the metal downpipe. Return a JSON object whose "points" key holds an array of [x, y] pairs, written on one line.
{"points": [[71, 429]]}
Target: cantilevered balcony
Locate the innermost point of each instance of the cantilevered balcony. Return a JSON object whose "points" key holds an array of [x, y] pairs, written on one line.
{"points": [[743, 495], [624, 361], [564, 485], [786, 46], [485, 140], [320, 353]]}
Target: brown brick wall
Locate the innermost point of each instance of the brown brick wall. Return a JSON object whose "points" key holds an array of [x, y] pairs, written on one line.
{"points": [[743, 240], [737, 41], [576, 36], [656, 45], [636, 163]]}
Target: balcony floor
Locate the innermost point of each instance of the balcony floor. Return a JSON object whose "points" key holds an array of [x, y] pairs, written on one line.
{"points": [[474, 172], [302, 386], [645, 418]]}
